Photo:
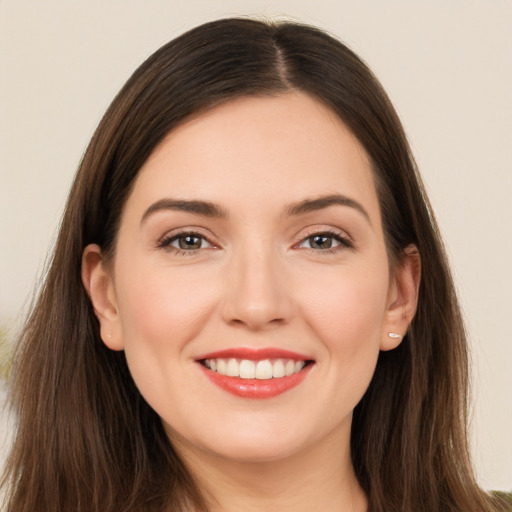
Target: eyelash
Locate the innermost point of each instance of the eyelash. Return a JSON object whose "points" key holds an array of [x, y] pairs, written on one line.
{"points": [[166, 242], [344, 242]]}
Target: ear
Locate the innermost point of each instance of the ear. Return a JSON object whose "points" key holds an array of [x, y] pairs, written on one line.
{"points": [[99, 285], [402, 298]]}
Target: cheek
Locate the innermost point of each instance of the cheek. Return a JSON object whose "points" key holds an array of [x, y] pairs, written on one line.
{"points": [[345, 309], [161, 309], [348, 321], [346, 301]]}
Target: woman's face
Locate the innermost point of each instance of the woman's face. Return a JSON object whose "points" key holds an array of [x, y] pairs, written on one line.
{"points": [[251, 246]]}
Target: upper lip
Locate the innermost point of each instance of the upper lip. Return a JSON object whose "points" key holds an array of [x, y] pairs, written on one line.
{"points": [[254, 354]]}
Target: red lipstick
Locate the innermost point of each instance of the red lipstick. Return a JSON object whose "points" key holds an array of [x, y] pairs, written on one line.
{"points": [[254, 354], [255, 388]]}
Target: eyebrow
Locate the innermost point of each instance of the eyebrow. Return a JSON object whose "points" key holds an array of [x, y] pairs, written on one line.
{"points": [[319, 203], [208, 209], [204, 208]]}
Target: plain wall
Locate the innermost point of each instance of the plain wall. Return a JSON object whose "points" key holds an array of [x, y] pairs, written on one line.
{"points": [[446, 64]]}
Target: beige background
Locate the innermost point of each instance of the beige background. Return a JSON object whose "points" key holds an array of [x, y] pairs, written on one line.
{"points": [[447, 65]]}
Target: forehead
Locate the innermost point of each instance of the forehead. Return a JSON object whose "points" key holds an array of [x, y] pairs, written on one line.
{"points": [[254, 150]]}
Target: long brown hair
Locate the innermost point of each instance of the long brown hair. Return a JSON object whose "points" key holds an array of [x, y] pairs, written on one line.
{"points": [[86, 439]]}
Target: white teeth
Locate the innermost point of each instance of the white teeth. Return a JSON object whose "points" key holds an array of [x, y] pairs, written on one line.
{"points": [[233, 368], [289, 369], [278, 369], [222, 366], [247, 369], [264, 369]]}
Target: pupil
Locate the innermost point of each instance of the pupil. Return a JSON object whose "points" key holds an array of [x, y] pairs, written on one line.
{"points": [[321, 242], [190, 242]]}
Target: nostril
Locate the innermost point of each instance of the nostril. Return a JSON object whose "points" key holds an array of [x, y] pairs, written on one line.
{"points": [[256, 323]]}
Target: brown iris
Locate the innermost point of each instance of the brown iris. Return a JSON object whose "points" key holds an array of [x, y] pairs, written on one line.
{"points": [[320, 242], [190, 242]]}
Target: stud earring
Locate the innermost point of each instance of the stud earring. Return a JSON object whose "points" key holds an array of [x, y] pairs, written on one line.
{"points": [[109, 335], [394, 335]]}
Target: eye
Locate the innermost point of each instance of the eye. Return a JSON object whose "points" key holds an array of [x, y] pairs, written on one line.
{"points": [[188, 242], [324, 241], [185, 242]]}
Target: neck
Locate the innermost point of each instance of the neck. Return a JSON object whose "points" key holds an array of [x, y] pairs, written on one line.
{"points": [[319, 478]]}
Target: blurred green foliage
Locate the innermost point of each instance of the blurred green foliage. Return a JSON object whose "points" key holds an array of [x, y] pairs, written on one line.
{"points": [[5, 354]]}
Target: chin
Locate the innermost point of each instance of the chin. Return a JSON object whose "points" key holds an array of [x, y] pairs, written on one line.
{"points": [[255, 445], [246, 451]]}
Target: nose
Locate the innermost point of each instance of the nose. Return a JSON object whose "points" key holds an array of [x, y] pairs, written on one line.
{"points": [[257, 294]]}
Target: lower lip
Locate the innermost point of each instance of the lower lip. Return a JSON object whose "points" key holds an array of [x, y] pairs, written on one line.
{"points": [[256, 388]]}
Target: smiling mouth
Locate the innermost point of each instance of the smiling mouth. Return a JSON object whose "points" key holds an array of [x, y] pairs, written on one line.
{"points": [[255, 373], [264, 369]]}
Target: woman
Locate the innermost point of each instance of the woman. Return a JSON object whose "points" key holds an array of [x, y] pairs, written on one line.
{"points": [[233, 318]]}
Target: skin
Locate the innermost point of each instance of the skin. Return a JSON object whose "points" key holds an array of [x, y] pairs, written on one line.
{"points": [[258, 280]]}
